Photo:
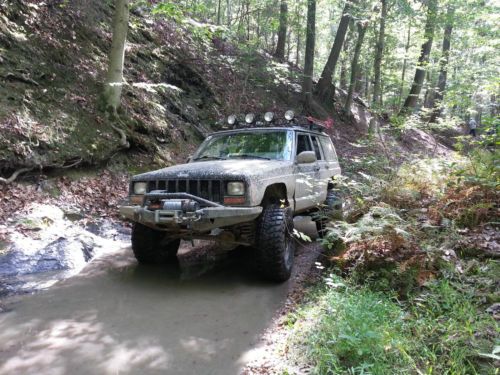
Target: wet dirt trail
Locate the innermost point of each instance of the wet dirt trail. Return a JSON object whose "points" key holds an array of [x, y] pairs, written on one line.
{"points": [[117, 317]]}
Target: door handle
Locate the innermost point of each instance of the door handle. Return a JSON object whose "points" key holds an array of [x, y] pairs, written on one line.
{"points": [[316, 168]]}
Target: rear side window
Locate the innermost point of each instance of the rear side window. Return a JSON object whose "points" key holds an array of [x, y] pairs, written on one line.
{"points": [[328, 149], [317, 150], [303, 143]]}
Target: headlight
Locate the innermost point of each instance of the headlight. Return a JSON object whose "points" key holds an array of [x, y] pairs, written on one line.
{"points": [[235, 188], [269, 116], [231, 120], [289, 115], [140, 188]]}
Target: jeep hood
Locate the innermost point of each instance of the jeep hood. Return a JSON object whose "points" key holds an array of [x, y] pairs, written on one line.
{"points": [[220, 169]]}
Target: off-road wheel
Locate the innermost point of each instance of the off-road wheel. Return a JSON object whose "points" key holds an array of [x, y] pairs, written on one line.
{"points": [[151, 246], [331, 210], [275, 245]]}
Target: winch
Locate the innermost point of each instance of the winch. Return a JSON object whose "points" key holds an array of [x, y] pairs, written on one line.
{"points": [[184, 205]]}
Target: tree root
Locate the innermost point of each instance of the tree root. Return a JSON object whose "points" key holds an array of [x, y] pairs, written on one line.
{"points": [[12, 178], [123, 137]]}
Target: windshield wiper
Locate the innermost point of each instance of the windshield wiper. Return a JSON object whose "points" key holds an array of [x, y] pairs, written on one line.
{"points": [[206, 157], [250, 156]]}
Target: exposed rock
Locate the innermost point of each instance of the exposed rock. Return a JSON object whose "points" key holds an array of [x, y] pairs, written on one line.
{"points": [[45, 246]]}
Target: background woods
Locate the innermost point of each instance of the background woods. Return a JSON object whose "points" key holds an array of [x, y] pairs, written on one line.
{"points": [[410, 58]]}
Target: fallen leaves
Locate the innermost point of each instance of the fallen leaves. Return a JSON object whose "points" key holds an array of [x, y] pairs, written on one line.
{"points": [[90, 196]]}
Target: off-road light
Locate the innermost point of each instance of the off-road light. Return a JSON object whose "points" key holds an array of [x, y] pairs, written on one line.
{"points": [[289, 115], [269, 116], [231, 120], [140, 188], [235, 188], [249, 118]]}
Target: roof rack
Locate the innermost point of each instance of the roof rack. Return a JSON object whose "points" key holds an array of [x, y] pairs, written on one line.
{"points": [[250, 120]]}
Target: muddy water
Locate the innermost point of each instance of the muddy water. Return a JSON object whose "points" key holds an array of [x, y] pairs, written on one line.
{"points": [[120, 318]]}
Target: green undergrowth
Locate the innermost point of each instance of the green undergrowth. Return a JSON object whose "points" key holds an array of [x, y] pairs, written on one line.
{"points": [[360, 331], [410, 273]]}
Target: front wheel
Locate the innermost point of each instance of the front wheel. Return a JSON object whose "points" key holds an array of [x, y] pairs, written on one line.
{"points": [[275, 244], [152, 246]]}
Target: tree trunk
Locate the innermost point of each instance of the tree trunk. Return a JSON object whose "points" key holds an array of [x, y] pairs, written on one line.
{"points": [[228, 11], [248, 20], [114, 79], [219, 8], [324, 88], [405, 60], [379, 51], [280, 47], [309, 54], [289, 44], [443, 66], [358, 85], [297, 54], [354, 66], [367, 86], [429, 92], [345, 57], [411, 101]]}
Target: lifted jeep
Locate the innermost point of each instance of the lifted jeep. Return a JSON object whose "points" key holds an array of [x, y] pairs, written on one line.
{"points": [[241, 187]]}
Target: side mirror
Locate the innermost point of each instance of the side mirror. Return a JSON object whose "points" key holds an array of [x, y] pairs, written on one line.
{"points": [[189, 158], [306, 157]]}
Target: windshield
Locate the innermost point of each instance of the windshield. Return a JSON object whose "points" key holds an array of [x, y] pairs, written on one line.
{"points": [[270, 145]]}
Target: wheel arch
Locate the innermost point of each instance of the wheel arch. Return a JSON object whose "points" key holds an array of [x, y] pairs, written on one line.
{"points": [[274, 194]]}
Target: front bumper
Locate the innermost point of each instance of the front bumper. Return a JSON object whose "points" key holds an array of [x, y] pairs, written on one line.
{"points": [[202, 220]]}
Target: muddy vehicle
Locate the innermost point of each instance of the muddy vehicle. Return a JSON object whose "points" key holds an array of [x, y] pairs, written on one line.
{"points": [[243, 186]]}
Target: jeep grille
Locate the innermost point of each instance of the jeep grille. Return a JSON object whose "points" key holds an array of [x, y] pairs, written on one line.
{"points": [[213, 190]]}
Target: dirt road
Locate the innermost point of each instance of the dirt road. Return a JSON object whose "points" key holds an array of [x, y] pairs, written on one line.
{"points": [[117, 317]]}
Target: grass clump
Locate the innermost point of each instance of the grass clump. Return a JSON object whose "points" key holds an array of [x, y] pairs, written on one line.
{"points": [[361, 331]]}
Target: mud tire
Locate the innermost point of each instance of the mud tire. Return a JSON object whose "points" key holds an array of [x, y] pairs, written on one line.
{"points": [[275, 245], [330, 211], [151, 246]]}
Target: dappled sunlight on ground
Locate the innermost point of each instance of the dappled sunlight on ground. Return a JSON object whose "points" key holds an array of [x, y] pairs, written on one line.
{"points": [[62, 345], [118, 317]]}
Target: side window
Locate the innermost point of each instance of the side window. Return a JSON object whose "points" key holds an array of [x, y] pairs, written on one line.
{"points": [[303, 143], [317, 150], [328, 149]]}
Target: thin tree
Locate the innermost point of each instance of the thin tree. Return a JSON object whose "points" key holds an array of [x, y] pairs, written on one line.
{"points": [[324, 89], [282, 31], [379, 51], [219, 14], [228, 12], [354, 66], [423, 60], [443, 64], [405, 61], [114, 79], [309, 54]]}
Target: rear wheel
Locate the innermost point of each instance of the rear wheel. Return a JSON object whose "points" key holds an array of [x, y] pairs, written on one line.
{"points": [[275, 244], [330, 210], [152, 246]]}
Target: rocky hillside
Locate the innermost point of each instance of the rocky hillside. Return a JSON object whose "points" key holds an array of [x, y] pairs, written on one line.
{"points": [[181, 78]]}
